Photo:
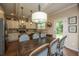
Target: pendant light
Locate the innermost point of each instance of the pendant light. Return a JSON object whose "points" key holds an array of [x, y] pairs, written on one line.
{"points": [[39, 17], [22, 20], [31, 20], [22, 17]]}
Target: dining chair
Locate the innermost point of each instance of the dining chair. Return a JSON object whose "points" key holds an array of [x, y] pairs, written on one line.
{"points": [[35, 36], [54, 47], [40, 51], [43, 35], [62, 45], [24, 37]]}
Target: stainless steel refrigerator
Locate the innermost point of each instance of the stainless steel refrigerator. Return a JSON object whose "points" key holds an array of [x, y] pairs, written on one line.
{"points": [[2, 40]]}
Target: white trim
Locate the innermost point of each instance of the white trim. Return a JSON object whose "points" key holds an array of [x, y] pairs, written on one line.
{"points": [[78, 28], [72, 49]]}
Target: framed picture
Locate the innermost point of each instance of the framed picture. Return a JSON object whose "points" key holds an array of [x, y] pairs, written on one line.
{"points": [[72, 28], [72, 20]]}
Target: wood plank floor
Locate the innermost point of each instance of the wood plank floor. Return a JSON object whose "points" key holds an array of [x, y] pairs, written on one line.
{"points": [[12, 49], [69, 52]]}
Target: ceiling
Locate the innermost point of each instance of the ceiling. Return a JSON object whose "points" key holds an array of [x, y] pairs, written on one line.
{"points": [[46, 7]]}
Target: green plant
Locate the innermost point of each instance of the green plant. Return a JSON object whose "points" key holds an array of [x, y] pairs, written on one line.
{"points": [[59, 28]]}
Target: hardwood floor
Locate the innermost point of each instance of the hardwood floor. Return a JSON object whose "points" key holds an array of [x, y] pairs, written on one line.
{"points": [[12, 49], [69, 52]]}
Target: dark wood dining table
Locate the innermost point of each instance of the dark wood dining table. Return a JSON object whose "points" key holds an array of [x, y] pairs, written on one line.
{"points": [[25, 48], [17, 48]]}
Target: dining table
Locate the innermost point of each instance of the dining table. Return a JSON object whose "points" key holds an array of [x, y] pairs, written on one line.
{"points": [[25, 48]]}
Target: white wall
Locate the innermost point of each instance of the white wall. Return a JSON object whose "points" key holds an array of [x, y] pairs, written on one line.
{"points": [[72, 38]]}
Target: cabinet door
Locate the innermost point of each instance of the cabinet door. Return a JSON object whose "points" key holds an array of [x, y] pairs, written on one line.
{"points": [[1, 37]]}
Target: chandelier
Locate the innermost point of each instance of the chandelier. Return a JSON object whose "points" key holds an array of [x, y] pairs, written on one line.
{"points": [[22, 19], [39, 17]]}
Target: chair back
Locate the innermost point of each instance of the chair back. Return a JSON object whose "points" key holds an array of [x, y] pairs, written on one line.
{"points": [[40, 51], [53, 47], [24, 37], [62, 42], [36, 36], [62, 45], [43, 35]]}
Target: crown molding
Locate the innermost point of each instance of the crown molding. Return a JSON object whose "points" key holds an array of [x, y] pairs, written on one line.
{"points": [[73, 49]]}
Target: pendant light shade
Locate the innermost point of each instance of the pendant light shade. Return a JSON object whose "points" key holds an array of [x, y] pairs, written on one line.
{"points": [[39, 17]]}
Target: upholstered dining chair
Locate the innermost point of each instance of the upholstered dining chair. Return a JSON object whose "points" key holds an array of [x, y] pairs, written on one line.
{"points": [[24, 37], [54, 47], [62, 45], [35, 36], [43, 35], [40, 51]]}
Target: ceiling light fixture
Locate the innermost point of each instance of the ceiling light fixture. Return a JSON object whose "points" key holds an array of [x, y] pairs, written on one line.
{"points": [[22, 16], [22, 19], [39, 17]]}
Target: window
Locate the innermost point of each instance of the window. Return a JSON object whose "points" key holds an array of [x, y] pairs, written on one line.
{"points": [[59, 28], [41, 26]]}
